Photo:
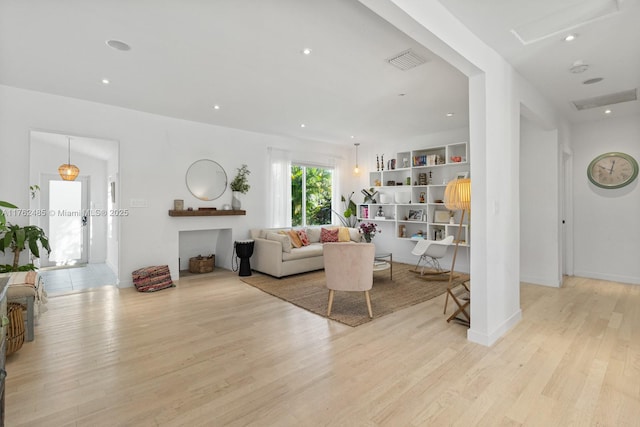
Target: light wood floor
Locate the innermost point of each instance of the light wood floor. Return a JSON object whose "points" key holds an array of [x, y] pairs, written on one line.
{"points": [[216, 352]]}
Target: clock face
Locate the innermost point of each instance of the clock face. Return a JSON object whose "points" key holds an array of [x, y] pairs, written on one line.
{"points": [[612, 170]]}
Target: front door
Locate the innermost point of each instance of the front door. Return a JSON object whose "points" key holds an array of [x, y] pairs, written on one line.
{"points": [[67, 204]]}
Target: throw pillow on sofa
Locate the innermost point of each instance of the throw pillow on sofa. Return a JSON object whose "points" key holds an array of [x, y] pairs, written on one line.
{"points": [[304, 239], [343, 234], [295, 239], [328, 235]]}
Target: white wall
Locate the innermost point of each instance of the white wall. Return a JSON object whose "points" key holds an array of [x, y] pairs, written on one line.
{"points": [[539, 214], [607, 230], [155, 153]]}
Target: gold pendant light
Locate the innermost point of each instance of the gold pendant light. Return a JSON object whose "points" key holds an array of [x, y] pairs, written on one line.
{"points": [[67, 171]]}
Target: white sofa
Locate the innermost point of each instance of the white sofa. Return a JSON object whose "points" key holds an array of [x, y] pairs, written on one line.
{"points": [[273, 253]]}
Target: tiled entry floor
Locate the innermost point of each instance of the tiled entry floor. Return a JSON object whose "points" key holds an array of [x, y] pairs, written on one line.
{"points": [[59, 281]]}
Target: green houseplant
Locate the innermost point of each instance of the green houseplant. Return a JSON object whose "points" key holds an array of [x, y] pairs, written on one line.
{"points": [[3, 218], [239, 185], [348, 217], [17, 238]]}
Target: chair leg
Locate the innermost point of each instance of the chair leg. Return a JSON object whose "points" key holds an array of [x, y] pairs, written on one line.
{"points": [[446, 301], [330, 302], [366, 296]]}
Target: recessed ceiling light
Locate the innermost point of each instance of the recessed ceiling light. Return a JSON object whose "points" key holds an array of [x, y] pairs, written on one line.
{"points": [[592, 81], [306, 51], [607, 111], [449, 114], [570, 37], [105, 81], [352, 136], [216, 107], [303, 125], [118, 45]]}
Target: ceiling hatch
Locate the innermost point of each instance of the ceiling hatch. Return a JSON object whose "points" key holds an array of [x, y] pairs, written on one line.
{"points": [[612, 98]]}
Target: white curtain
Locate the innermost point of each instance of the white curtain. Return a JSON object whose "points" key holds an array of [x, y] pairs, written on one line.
{"points": [[279, 188], [336, 203]]}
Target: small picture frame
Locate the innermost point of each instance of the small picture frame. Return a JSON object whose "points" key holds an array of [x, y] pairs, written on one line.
{"points": [[462, 175], [415, 214], [441, 216], [178, 205]]}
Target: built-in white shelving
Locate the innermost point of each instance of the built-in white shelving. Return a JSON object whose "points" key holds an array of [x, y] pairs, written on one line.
{"points": [[411, 195]]}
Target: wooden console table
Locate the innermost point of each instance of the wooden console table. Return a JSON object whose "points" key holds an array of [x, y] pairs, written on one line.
{"points": [[205, 212]]}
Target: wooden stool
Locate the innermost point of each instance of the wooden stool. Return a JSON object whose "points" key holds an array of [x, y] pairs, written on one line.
{"points": [[461, 295], [15, 328]]}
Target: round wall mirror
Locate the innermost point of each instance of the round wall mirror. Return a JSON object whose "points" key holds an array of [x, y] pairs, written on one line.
{"points": [[206, 179]]}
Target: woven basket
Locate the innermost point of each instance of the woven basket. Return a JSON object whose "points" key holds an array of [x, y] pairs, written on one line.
{"points": [[15, 328], [202, 264]]}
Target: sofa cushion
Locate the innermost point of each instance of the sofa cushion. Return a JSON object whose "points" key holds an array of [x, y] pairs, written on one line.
{"points": [[304, 239], [282, 238], [354, 235], [313, 250], [328, 235], [314, 235]]}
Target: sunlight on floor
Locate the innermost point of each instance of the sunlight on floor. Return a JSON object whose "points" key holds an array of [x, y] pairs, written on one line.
{"points": [[64, 280]]}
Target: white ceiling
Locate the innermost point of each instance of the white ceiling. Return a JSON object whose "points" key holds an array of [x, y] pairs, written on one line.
{"points": [[610, 46], [245, 55]]}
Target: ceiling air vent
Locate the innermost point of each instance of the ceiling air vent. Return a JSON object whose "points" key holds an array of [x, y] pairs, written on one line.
{"points": [[406, 60], [612, 98]]}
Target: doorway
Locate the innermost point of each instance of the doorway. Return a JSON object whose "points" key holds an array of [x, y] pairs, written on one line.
{"points": [[77, 223], [67, 221]]}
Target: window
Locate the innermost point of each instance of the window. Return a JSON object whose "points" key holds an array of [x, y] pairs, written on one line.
{"points": [[311, 195]]}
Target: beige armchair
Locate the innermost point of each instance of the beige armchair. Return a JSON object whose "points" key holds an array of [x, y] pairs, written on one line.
{"points": [[349, 267]]}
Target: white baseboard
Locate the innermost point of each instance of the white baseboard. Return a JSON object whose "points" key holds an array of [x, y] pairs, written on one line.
{"points": [[489, 339], [609, 277], [544, 281]]}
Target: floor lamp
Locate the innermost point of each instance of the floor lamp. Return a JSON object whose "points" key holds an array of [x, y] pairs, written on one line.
{"points": [[457, 197]]}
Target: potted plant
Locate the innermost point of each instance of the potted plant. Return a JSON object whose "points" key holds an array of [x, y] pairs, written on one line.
{"points": [[18, 238], [239, 185], [348, 217], [3, 218]]}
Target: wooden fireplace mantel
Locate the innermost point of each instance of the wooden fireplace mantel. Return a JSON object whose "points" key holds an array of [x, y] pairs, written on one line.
{"points": [[205, 212]]}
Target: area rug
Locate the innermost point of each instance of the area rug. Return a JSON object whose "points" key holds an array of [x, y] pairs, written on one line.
{"points": [[308, 291]]}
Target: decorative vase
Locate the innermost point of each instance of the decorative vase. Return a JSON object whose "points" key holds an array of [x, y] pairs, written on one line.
{"points": [[236, 205], [367, 237]]}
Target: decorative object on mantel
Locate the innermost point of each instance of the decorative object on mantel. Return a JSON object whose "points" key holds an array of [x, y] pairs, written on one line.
{"points": [[239, 185], [178, 205], [226, 207], [369, 230], [202, 264], [207, 209], [206, 212]]}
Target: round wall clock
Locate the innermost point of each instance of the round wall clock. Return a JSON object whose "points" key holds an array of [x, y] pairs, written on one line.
{"points": [[612, 170]]}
